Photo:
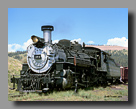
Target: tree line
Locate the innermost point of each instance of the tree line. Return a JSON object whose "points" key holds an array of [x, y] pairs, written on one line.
{"points": [[120, 56]]}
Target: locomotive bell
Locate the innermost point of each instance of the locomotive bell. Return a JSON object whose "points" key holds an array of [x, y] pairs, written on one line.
{"points": [[47, 33]]}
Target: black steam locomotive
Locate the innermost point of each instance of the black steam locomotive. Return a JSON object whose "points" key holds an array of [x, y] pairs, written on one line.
{"points": [[63, 65]]}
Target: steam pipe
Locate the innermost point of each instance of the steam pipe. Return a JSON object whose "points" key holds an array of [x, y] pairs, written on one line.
{"points": [[47, 33]]}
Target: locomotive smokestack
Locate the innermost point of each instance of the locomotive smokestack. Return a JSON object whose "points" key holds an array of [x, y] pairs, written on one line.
{"points": [[47, 33]]}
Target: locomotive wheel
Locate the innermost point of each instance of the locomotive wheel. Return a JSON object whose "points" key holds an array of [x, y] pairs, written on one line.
{"points": [[105, 83], [111, 81], [118, 81], [88, 81], [67, 81], [83, 77]]}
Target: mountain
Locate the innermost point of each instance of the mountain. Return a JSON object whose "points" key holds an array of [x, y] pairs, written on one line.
{"points": [[108, 47], [120, 56], [19, 55]]}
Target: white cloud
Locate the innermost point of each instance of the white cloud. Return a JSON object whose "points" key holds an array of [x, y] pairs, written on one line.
{"points": [[18, 47], [13, 47], [55, 41], [90, 42], [77, 40], [118, 41], [26, 44]]}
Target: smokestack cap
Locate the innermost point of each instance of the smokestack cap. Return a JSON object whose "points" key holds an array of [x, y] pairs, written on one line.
{"points": [[47, 27]]}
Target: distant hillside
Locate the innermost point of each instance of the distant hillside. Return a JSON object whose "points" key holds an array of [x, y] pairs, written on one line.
{"points": [[120, 56], [14, 66], [108, 47], [19, 55], [118, 53]]}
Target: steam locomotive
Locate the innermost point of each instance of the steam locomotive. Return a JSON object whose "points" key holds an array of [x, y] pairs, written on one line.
{"points": [[63, 65]]}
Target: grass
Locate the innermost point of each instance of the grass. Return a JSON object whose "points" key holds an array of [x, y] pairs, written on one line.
{"points": [[97, 94], [110, 93]]}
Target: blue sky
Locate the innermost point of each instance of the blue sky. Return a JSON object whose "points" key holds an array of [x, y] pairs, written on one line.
{"points": [[89, 25]]}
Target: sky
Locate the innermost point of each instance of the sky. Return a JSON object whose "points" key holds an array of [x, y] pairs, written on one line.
{"points": [[97, 26]]}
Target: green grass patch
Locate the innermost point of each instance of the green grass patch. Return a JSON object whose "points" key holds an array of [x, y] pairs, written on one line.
{"points": [[98, 94], [114, 93]]}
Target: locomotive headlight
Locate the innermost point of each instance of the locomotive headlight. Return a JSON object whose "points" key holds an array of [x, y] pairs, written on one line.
{"points": [[34, 38]]}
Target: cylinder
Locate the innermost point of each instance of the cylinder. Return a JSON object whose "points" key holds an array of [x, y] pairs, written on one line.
{"points": [[47, 33]]}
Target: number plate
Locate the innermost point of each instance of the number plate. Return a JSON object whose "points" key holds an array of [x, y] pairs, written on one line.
{"points": [[37, 56]]}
